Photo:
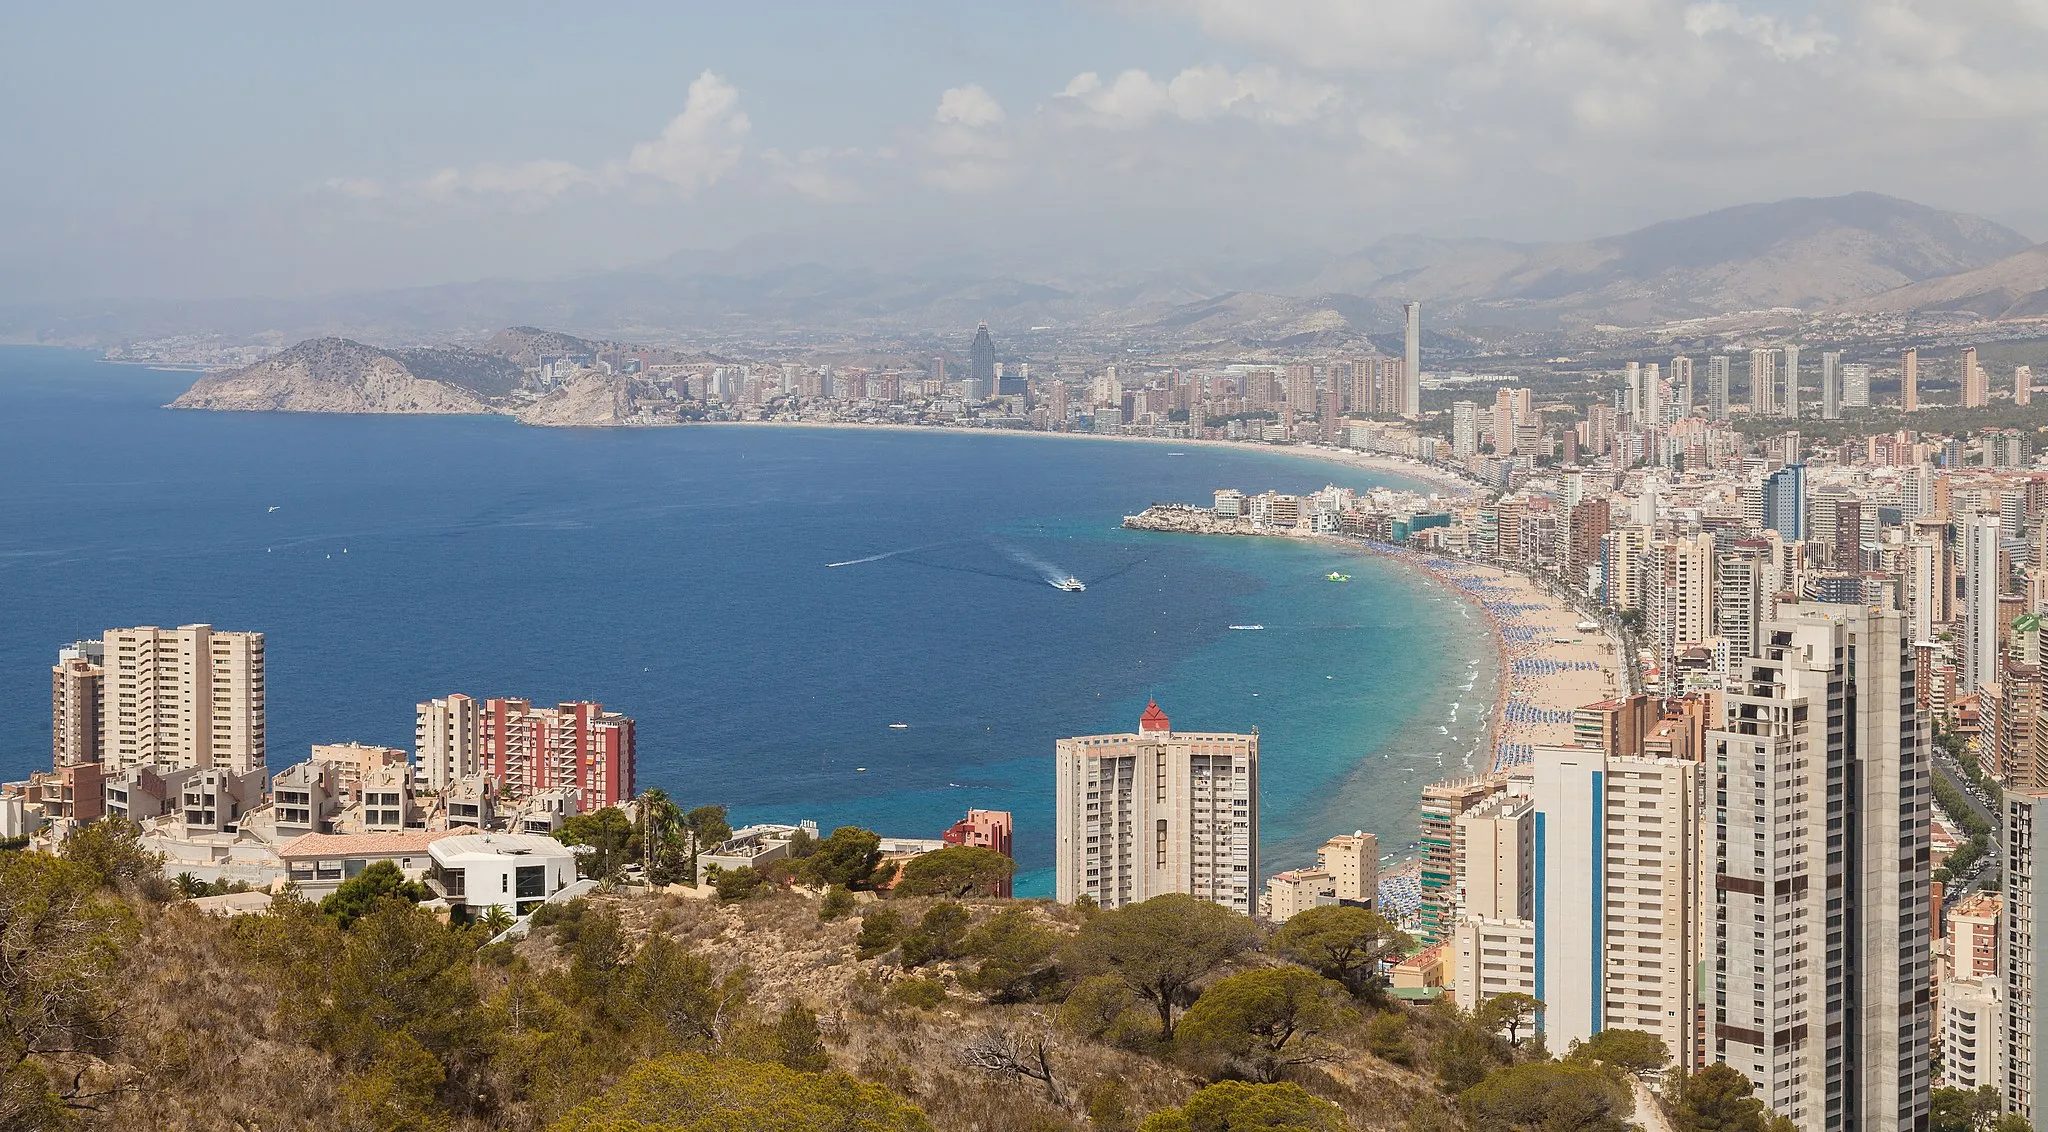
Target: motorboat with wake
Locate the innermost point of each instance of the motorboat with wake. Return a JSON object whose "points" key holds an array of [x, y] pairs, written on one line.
{"points": [[1070, 583]]}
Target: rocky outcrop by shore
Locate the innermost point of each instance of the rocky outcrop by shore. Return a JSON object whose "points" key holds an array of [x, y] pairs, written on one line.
{"points": [[1184, 520], [330, 375], [590, 401]]}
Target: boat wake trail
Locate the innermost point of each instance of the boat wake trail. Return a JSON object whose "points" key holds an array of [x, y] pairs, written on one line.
{"points": [[1044, 569], [884, 554]]}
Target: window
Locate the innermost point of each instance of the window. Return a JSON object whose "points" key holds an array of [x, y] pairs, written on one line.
{"points": [[533, 882]]}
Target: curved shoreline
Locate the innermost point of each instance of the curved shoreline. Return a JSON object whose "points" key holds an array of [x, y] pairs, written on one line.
{"points": [[1445, 483]]}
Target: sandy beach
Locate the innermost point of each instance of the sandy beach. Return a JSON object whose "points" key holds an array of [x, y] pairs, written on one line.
{"points": [[1548, 664], [1444, 482]]}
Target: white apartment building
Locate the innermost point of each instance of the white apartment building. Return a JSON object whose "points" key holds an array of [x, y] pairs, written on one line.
{"points": [[1615, 894], [1817, 856], [1972, 997], [1981, 587], [182, 699], [1158, 811]]}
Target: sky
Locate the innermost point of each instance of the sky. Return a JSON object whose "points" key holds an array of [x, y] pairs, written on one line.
{"points": [[243, 149]]}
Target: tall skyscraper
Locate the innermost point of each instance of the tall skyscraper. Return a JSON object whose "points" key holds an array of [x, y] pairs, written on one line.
{"points": [[1763, 382], [184, 698], [1856, 385], [1682, 390], [1789, 405], [1818, 840], [1831, 385], [1909, 379], [1653, 397], [1411, 363], [1975, 396], [1981, 586], [1717, 387], [981, 358], [2026, 934], [2023, 385], [1140, 815], [1784, 495], [1442, 846]]}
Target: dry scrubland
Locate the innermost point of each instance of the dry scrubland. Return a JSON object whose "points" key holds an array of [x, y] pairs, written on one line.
{"points": [[129, 1009]]}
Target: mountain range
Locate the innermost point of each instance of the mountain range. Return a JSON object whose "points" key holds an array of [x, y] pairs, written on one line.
{"points": [[1860, 252]]}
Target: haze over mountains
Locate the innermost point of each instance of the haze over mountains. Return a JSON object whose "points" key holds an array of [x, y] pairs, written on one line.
{"points": [[1863, 252]]}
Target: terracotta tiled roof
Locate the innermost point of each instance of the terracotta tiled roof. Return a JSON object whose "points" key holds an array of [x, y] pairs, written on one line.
{"points": [[364, 844], [1153, 719]]}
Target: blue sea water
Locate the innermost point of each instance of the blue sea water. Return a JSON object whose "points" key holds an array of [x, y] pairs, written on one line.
{"points": [[680, 575]]}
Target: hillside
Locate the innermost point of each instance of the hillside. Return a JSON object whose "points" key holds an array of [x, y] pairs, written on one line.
{"points": [[767, 1008], [2014, 287], [336, 375]]}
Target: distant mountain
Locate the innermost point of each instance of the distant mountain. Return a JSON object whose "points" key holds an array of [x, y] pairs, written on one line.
{"points": [[2014, 287], [1806, 253]]}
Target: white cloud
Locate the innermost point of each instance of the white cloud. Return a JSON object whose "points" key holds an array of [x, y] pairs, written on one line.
{"points": [[968, 105], [820, 173], [696, 149], [1198, 94], [1774, 34], [700, 145]]}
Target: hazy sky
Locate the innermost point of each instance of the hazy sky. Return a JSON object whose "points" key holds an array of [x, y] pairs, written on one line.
{"points": [[247, 149]]}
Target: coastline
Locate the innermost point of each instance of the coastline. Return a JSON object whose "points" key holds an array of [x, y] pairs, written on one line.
{"points": [[1446, 483]]}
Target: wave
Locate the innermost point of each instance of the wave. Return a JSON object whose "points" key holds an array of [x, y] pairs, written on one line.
{"points": [[879, 557]]}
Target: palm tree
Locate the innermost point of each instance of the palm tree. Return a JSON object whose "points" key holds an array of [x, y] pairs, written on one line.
{"points": [[496, 920], [659, 820]]}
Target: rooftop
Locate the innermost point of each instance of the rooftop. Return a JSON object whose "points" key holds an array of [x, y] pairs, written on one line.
{"points": [[367, 844]]}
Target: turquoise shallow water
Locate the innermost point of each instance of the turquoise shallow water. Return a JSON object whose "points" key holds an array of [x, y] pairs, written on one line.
{"points": [[680, 575]]}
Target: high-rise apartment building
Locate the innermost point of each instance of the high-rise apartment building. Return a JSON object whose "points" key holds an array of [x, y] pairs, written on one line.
{"points": [[1856, 386], [1717, 386], [1464, 429], [1616, 902], [1411, 362], [1982, 585], [1157, 811], [76, 685], [448, 740], [2023, 385], [2026, 934], [1784, 498], [1763, 382], [1975, 395], [1682, 390], [1819, 936], [1789, 404], [1442, 847], [184, 698], [524, 750], [1831, 385], [1909, 379]]}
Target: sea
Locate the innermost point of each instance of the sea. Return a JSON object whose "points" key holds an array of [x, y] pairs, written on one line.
{"points": [[767, 603]]}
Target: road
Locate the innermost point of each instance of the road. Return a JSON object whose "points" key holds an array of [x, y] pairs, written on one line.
{"points": [[1986, 808]]}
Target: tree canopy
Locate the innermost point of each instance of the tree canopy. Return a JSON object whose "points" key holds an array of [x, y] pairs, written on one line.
{"points": [[1540, 1096], [1257, 1014], [1631, 1051], [355, 896], [955, 871], [1160, 947], [1341, 943], [694, 1093], [1236, 1106], [610, 841], [1718, 1098], [851, 857]]}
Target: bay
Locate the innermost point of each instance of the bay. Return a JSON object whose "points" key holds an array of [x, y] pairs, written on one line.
{"points": [[681, 576]]}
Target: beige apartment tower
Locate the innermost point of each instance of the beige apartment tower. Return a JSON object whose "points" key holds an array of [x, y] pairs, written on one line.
{"points": [[1909, 379], [1158, 811], [77, 681], [184, 698], [448, 740]]}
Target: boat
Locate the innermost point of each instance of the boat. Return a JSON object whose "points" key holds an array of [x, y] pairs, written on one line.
{"points": [[1247, 626], [271, 510], [1070, 583], [898, 726], [1336, 577]]}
